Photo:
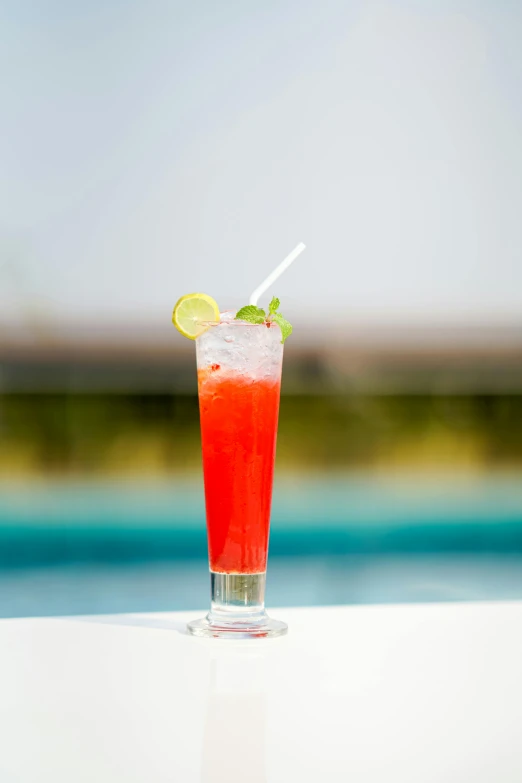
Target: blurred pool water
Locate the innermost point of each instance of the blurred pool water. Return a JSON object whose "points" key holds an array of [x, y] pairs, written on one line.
{"points": [[294, 581], [70, 548]]}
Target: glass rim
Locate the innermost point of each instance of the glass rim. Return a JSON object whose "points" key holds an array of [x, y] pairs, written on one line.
{"points": [[213, 324]]}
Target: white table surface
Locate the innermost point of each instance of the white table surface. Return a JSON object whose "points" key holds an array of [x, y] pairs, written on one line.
{"points": [[414, 693]]}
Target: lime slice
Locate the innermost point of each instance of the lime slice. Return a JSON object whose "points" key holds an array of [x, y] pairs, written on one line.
{"points": [[192, 314]]}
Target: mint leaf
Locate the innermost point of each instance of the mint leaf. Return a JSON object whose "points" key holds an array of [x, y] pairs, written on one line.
{"points": [[273, 307], [251, 314], [284, 325]]}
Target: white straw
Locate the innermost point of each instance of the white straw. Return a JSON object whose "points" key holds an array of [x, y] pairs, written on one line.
{"points": [[278, 271]]}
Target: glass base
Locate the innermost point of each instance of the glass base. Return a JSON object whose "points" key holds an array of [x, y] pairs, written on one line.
{"points": [[209, 628], [237, 609]]}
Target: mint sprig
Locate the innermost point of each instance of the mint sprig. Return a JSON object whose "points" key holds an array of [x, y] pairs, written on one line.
{"points": [[256, 315]]}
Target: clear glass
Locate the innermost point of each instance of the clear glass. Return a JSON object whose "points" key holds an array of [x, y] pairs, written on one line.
{"points": [[239, 383]]}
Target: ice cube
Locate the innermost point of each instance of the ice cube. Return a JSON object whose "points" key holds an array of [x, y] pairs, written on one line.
{"points": [[227, 317]]}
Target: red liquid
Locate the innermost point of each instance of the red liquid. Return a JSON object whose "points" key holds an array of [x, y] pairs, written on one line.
{"points": [[238, 431]]}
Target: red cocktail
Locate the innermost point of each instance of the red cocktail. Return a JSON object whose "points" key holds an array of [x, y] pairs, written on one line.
{"points": [[238, 433], [239, 380]]}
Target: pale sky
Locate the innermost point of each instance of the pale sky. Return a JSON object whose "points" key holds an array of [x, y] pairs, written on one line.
{"points": [[150, 148]]}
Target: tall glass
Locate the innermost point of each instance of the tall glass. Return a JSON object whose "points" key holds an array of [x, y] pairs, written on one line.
{"points": [[239, 382]]}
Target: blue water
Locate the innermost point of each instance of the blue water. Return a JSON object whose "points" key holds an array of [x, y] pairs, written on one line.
{"points": [[294, 581], [133, 546]]}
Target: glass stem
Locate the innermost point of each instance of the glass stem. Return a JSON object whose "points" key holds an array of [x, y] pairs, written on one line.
{"points": [[237, 597]]}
